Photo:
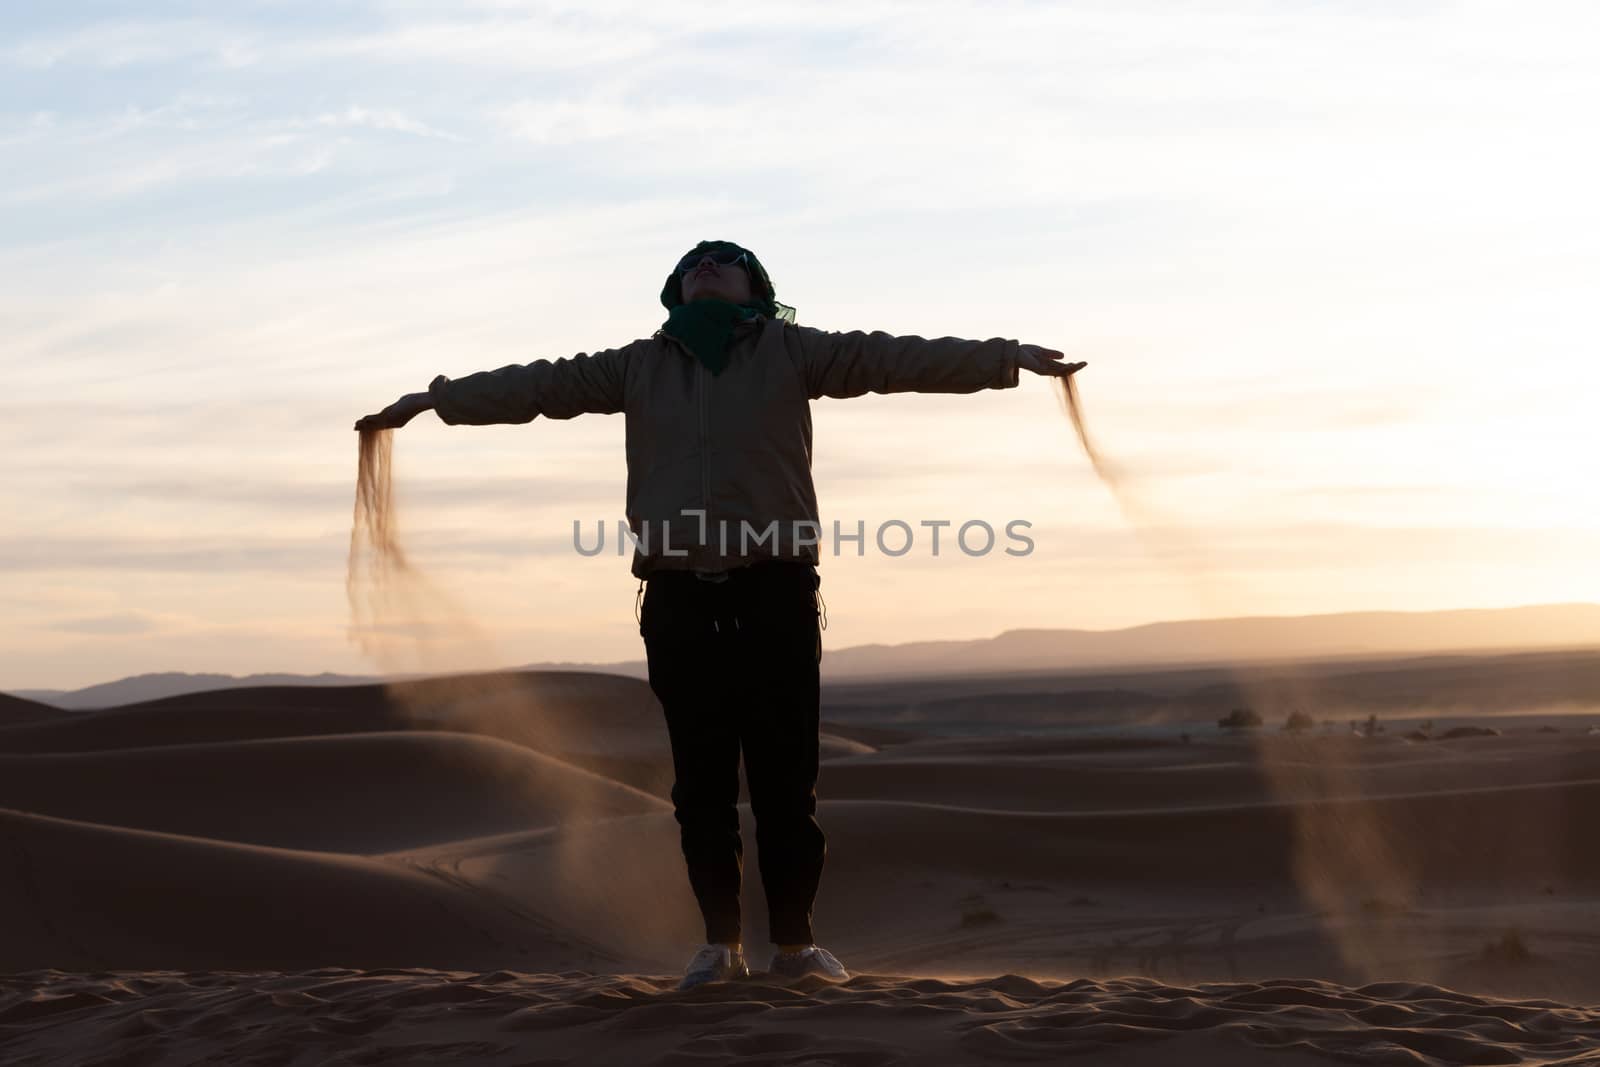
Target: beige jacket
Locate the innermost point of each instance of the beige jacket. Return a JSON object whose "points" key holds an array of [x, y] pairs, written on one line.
{"points": [[719, 466]]}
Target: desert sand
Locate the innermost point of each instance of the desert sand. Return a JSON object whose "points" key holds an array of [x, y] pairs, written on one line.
{"points": [[486, 870]]}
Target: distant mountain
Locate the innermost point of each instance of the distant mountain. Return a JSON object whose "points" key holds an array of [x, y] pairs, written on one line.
{"points": [[1236, 640], [1189, 642]]}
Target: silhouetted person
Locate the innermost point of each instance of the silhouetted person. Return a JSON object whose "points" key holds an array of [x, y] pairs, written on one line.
{"points": [[724, 515]]}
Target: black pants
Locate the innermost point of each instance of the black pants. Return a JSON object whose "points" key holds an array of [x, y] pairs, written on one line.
{"points": [[735, 665]]}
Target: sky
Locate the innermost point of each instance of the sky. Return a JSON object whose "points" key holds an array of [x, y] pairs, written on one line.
{"points": [[1332, 267]]}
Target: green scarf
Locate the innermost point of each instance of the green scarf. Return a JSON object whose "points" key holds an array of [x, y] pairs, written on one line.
{"points": [[706, 326]]}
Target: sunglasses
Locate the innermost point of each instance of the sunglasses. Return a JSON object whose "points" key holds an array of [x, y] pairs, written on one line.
{"points": [[725, 258]]}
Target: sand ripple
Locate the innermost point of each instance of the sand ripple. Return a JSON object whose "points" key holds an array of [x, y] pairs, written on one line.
{"points": [[339, 1016]]}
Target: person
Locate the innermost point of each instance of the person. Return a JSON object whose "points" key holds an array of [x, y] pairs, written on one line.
{"points": [[723, 515]]}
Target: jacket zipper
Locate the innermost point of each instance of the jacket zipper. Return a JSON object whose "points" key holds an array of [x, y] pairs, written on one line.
{"points": [[705, 450], [702, 404]]}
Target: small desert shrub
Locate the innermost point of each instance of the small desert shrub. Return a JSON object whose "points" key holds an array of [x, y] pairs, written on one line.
{"points": [[1456, 733], [1240, 719]]}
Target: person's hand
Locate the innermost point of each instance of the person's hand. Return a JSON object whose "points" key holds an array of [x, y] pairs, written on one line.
{"points": [[397, 414], [1046, 361]]}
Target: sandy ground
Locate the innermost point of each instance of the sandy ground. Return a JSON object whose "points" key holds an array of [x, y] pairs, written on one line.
{"points": [[488, 872]]}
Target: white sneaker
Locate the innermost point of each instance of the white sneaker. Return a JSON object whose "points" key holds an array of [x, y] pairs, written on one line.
{"points": [[714, 963], [810, 960]]}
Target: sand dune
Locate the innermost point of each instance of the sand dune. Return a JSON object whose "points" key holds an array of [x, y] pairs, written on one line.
{"points": [[1566, 681], [92, 898], [1516, 839], [526, 708], [357, 793], [607, 725], [1232, 898], [16, 711], [987, 775], [204, 717], [1211, 894]]}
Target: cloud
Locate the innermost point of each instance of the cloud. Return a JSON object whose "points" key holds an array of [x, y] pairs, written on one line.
{"points": [[122, 624], [173, 555], [318, 557], [223, 489], [116, 43], [384, 119], [195, 139]]}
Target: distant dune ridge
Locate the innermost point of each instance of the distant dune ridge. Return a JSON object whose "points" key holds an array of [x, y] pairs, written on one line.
{"points": [[1196, 642], [155, 685], [15, 710]]}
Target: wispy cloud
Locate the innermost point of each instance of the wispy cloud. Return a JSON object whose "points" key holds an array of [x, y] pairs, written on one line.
{"points": [[122, 624], [119, 43]]}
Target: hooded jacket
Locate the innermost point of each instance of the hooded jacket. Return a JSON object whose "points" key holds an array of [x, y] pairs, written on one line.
{"points": [[719, 466]]}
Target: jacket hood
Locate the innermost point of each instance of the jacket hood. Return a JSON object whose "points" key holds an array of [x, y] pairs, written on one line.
{"points": [[763, 292]]}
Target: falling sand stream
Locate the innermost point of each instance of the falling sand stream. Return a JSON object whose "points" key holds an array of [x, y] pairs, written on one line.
{"points": [[417, 633], [1345, 857]]}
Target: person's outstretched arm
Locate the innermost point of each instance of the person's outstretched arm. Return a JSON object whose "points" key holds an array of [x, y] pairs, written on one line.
{"points": [[853, 363], [517, 393]]}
